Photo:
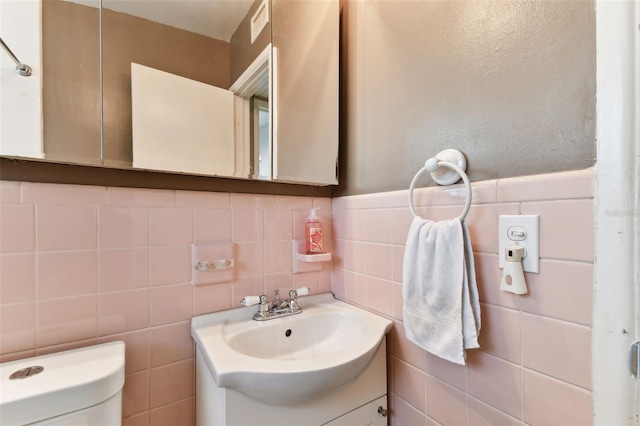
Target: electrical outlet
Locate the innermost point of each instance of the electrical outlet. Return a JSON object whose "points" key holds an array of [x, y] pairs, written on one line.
{"points": [[521, 230]]}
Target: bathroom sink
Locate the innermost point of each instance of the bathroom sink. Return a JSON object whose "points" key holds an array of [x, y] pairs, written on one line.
{"points": [[319, 333], [290, 359]]}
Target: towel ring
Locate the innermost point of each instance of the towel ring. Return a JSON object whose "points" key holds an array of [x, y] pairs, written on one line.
{"points": [[452, 159]]}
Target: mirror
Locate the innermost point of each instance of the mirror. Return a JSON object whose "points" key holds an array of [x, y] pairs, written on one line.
{"points": [[88, 108], [305, 90]]}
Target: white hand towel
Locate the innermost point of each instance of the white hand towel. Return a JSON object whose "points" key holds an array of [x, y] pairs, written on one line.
{"points": [[441, 310]]}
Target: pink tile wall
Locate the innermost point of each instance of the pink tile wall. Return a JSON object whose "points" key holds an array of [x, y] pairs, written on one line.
{"points": [[534, 365], [81, 265]]}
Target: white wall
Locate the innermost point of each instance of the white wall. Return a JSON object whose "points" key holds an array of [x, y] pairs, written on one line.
{"points": [[20, 106], [617, 268]]}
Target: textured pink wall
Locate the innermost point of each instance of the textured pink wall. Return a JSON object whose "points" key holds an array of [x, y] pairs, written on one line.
{"points": [[534, 365], [81, 265]]}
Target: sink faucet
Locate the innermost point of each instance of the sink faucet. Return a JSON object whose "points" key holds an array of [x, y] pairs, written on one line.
{"points": [[278, 308]]}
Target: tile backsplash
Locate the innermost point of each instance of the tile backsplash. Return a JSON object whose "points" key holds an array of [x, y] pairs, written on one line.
{"points": [[81, 265], [534, 365]]}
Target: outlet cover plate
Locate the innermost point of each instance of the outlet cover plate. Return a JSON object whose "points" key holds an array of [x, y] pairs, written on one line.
{"points": [[510, 228]]}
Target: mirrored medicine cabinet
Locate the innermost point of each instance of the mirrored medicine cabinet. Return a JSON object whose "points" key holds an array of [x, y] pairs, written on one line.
{"points": [[243, 89]]}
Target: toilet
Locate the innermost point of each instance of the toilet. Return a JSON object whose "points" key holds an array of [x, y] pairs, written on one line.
{"points": [[80, 387]]}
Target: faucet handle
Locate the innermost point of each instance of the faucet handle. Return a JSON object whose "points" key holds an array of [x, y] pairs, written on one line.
{"points": [[252, 300], [303, 291], [264, 305], [293, 296]]}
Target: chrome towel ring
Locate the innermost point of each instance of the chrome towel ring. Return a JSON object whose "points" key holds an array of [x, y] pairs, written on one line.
{"points": [[451, 159]]}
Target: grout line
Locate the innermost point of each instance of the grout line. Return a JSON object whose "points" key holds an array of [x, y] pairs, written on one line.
{"points": [[193, 241], [167, 404], [556, 379], [466, 390], [520, 330], [98, 269], [36, 280]]}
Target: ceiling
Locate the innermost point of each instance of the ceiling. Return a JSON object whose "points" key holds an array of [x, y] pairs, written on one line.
{"points": [[213, 18]]}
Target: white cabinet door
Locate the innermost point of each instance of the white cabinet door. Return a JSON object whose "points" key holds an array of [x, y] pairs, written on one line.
{"points": [[367, 415]]}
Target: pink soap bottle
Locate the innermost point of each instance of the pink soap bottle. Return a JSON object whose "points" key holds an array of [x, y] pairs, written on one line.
{"points": [[313, 233]]}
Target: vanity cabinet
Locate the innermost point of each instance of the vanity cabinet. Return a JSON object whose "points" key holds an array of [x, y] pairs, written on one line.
{"points": [[367, 415], [354, 404]]}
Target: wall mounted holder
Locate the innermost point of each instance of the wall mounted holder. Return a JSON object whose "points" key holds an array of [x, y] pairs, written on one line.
{"points": [[446, 168], [211, 263], [22, 69], [301, 262], [447, 175]]}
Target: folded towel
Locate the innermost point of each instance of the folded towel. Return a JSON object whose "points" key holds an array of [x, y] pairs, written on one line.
{"points": [[441, 309]]}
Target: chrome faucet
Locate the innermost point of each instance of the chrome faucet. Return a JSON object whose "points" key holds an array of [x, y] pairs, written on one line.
{"points": [[278, 308]]}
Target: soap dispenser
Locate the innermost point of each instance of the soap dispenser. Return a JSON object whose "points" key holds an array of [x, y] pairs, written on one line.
{"points": [[313, 233]]}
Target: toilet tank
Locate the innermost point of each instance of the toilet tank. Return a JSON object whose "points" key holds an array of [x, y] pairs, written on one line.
{"points": [[76, 387]]}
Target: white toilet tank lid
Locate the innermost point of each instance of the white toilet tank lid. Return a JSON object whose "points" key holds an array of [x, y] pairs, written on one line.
{"points": [[70, 381]]}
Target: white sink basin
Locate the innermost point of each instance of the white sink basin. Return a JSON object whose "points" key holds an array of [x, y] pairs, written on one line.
{"points": [[287, 360]]}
